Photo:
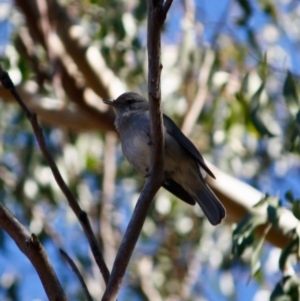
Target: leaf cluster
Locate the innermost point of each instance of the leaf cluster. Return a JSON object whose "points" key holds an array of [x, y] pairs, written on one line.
{"points": [[245, 236]]}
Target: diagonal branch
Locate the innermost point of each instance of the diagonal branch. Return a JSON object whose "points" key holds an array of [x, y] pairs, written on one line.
{"points": [[70, 52], [81, 215], [156, 18], [77, 273], [167, 6], [240, 200], [53, 112], [88, 58], [33, 249]]}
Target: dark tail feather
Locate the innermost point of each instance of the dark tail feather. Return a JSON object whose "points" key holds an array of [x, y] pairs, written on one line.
{"points": [[210, 205], [179, 191]]}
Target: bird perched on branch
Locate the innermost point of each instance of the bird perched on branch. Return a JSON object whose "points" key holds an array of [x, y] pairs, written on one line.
{"points": [[184, 168]]}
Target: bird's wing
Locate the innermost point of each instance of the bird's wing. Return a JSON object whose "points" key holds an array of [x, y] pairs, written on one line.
{"points": [[174, 131]]}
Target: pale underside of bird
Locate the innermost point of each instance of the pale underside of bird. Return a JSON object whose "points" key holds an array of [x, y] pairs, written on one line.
{"points": [[184, 167]]}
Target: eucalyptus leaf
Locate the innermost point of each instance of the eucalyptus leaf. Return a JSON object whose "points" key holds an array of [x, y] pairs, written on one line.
{"points": [[243, 234], [246, 7], [278, 293], [260, 118], [286, 252], [290, 93], [296, 209], [273, 214], [255, 257], [289, 196]]}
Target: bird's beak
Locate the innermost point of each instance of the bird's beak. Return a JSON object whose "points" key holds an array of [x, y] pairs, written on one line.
{"points": [[109, 102]]}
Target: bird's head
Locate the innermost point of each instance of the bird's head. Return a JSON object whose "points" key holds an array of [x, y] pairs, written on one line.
{"points": [[129, 101]]}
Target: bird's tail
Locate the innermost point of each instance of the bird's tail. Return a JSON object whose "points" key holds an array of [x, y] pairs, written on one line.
{"points": [[210, 205]]}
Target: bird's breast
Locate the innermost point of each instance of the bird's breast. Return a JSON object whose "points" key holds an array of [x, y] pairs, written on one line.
{"points": [[136, 147]]}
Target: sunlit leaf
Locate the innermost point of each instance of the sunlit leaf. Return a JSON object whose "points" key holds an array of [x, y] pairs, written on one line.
{"points": [[244, 86], [255, 256], [244, 231], [261, 119], [263, 66]]}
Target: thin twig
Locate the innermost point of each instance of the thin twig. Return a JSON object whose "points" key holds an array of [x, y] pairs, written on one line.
{"points": [[77, 273], [81, 215], [34, 251], [156, 18], [199, 101]]}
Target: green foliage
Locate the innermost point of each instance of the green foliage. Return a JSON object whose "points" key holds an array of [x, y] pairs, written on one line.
{"points": [[288, 287], [247, 9], [243, 234], [260, 118], [286, 290], [290, 93]]}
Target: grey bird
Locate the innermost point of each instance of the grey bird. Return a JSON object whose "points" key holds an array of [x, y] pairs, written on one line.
{"points": [[184, 170]]}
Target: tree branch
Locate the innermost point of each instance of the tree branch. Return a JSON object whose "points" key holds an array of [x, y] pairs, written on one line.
{"points": [[156, 17], [109, 236], [88, 59], [167, 6], [77, 273], [53, 112], [239, 198], [81, 215], [34, 251]]}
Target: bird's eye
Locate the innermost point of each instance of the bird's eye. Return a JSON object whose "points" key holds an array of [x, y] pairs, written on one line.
{"points": [[129, 101]]}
